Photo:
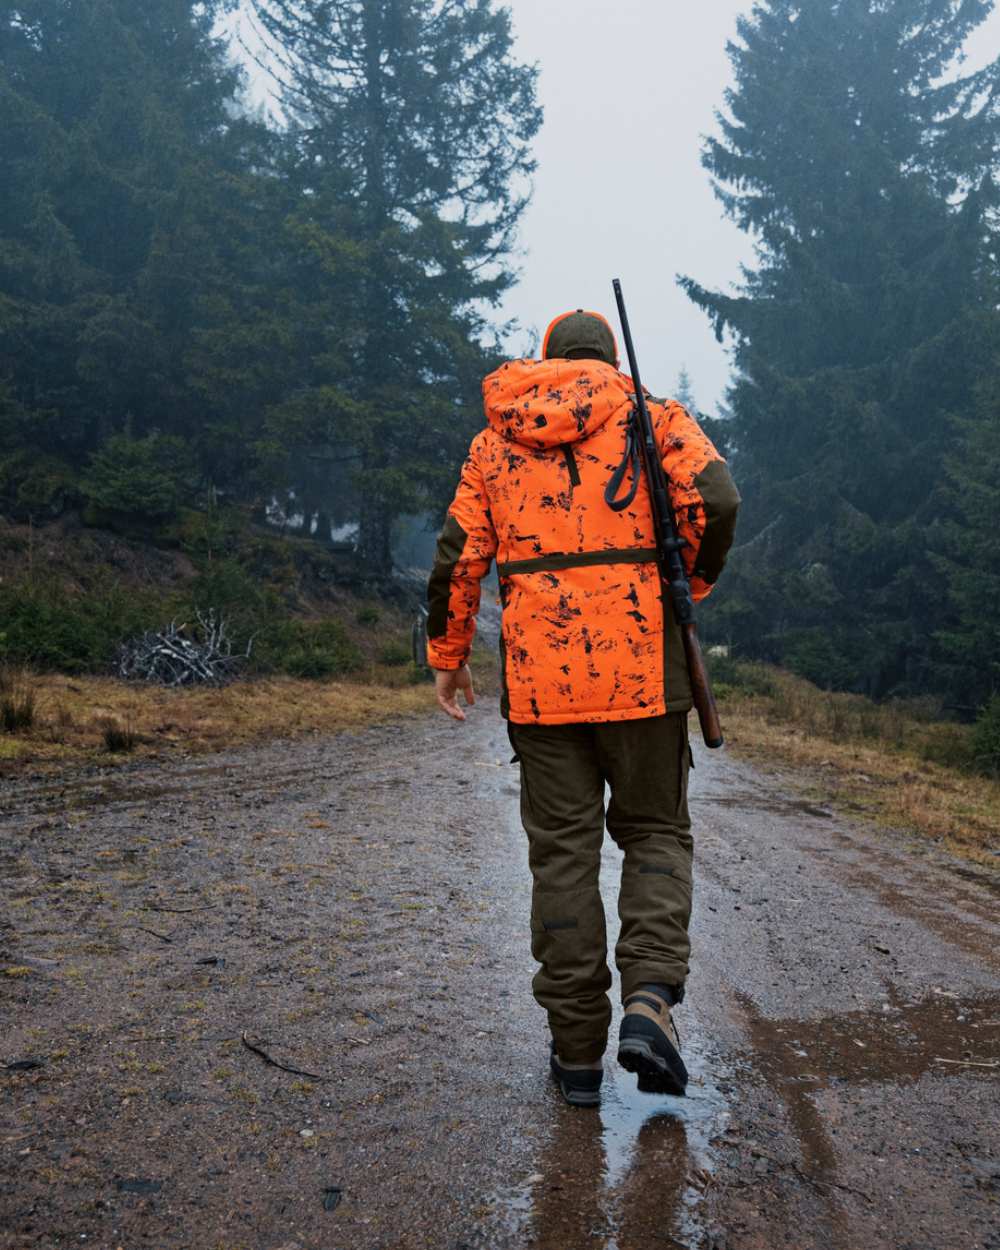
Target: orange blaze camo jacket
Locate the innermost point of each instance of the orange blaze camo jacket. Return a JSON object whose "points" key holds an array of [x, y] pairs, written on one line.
{"points": [[587, 635]]}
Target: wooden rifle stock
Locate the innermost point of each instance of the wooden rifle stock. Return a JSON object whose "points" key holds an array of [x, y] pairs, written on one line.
{"points": [[701, 688], [669, 544]]}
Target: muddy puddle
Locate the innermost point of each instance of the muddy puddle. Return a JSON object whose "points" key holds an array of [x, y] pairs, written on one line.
{"points": [[895, 1042], [611, 1178]]}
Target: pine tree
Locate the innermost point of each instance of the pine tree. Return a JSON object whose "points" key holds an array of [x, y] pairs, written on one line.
{"points": [[411, 123], [128, 162], [683, 391], [862, 168], [968, 549]]}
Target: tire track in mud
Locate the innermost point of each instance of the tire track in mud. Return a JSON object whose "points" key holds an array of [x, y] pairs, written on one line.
{"points": [[363, 902]]}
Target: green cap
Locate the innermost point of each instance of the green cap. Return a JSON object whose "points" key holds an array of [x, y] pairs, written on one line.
{"points": [[581, 335]]}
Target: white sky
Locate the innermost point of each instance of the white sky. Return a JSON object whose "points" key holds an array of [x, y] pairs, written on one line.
{"points": [[629, 89]]}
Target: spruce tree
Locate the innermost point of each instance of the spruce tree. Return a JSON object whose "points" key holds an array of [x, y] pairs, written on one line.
{"points": [[128, 166], [684, 392], [860, 162], [411, 122], [968, 547]]}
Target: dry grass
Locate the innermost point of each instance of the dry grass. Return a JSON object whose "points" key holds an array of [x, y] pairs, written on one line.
{"points": [[73, 714], [891, 762], [91, 718], [119, 736], [17, 700]]}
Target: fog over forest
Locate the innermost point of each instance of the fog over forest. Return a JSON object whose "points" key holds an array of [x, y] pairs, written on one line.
{"points": [[215, 323], [648, 107]]}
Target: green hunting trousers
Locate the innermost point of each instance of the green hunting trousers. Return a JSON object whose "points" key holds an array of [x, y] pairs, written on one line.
{"points": [[564, 769]]}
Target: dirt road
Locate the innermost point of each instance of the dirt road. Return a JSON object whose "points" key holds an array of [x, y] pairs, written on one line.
{"points": [[355, 909]]}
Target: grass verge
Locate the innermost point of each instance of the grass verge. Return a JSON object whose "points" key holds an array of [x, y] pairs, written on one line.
{"points": [[895, 763], [75, 715]]}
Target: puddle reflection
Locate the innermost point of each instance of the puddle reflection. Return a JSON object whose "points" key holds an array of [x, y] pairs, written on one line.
{"points": [[617, 1178]]}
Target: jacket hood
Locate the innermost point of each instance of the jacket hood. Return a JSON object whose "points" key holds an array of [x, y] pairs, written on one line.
{"points": [[548, 403]]}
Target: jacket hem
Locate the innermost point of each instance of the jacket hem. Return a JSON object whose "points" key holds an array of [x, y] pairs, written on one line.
{"points": [[594, 717], [444, 664]]}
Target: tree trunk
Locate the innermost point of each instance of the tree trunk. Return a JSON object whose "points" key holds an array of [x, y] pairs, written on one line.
{"points": [[374, 537]]}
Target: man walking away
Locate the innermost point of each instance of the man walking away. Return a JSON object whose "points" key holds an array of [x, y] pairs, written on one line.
{"points": [[595, 684]]}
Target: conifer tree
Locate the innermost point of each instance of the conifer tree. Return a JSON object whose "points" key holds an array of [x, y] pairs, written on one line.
{"points": [[861, 163], [411, 122], [968, 552], [127, 165], [684, 392]]}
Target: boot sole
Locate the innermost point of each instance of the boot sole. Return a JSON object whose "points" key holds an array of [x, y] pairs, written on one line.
{"points": [[657, 1074]]}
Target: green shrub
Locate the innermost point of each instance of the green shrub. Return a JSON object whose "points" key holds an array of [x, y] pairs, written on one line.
{"points": [[395, 654], [35, 485], [950, 745], [147, 479], [226, 588], [815, 655], [311, 649], [50, 629], [730, 676], [209, 534], [986, 738], [368, 615]]}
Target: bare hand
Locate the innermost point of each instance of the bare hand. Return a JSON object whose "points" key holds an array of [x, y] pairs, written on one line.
{"points": [[448, 684]]}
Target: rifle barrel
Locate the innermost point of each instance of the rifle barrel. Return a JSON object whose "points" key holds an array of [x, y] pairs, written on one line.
{"points": [[669, 543]]}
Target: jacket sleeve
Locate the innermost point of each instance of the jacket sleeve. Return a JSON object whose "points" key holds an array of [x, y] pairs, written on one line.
{"points": [[703, 492], [466, 547]]}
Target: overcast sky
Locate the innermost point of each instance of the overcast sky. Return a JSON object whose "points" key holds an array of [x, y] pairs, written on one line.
{"points": [[629, 89]]}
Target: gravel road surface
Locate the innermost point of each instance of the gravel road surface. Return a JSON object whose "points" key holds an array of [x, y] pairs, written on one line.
{"points": [[354, 909]]}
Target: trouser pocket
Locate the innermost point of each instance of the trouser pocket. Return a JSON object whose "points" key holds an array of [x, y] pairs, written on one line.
{"points": [[516, 758]]}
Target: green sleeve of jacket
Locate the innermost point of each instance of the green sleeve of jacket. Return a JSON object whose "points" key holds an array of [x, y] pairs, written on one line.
{"points": [[465, 550], [702, 491], [721, 500]]}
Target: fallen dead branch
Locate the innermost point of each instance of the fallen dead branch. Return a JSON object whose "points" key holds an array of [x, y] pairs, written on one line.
{"points": [[171, 657], [258, 1050], [968, 1063], [152, 932], [177, 911]]}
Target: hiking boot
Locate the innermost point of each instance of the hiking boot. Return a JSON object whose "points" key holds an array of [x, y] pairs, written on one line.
{"points": [[644, 1044], [580, 1083]]}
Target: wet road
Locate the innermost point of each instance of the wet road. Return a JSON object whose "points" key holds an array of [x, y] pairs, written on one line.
{"points": [[358, 906]]}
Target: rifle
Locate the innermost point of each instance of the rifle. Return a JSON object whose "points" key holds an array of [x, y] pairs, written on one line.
{"points": [[669, 544]]}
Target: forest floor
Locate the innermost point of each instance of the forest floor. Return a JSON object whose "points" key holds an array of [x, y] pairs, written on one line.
{"points": [[354, 908]]}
